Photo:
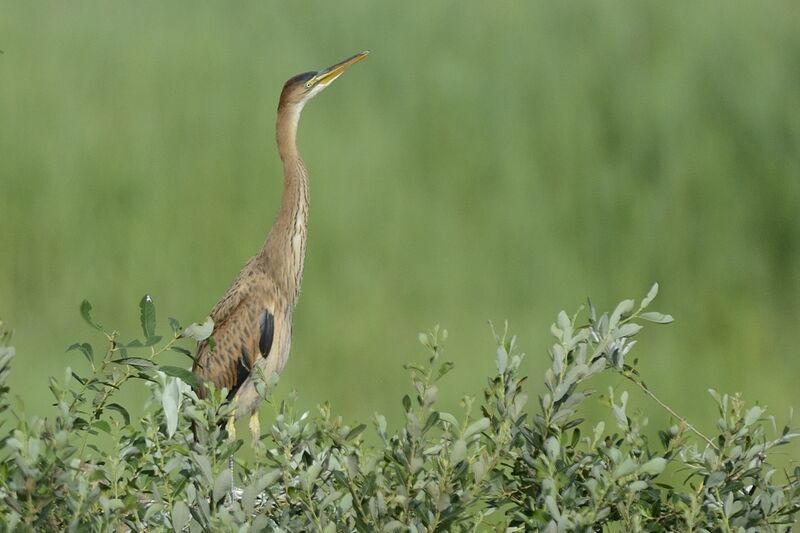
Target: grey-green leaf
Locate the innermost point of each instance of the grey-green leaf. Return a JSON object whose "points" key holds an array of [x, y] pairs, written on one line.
{"points": [[222, 484], [627, 467], [171, 402], [658, 318], [654, 466], [459, 451], [752, 415], [200, 332], [478, 426], [628, 330], [147, 316], [180, 516], [624, 307], [650, 296]]}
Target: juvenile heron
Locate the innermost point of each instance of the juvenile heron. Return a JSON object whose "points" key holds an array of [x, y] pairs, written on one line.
{"points": [[253, 320]]}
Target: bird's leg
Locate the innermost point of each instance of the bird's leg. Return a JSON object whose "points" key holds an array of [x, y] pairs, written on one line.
{"points": [[230, 427], [255, 428]]}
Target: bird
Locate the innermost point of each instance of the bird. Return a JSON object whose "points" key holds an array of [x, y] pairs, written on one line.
{"points": [[253, 319]]}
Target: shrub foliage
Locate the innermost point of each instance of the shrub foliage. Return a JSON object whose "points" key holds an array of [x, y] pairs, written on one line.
{"points": [[500, 463]]}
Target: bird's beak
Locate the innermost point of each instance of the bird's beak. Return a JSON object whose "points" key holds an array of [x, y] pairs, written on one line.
{"points": [[326, 76]]}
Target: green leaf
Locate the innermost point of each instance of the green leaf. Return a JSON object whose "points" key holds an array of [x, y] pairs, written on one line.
{"points": [[200, 332], [715, 479], [501, 361], [553, 448], [121, 410], [102, 425], [477, 427], [137, 362], [183, 351], [355, 432], [624, 308], [637, 485], [85, 348], [86, 313], [171, 402], [147, 316], [654, 466], [180, 516], [181, 373], [459, 451], [175, 326], [444, 368], [627, 330], [627, 467], [222, 485], [752, 415], [406, 403], [650, 296], [658, 318], [311, 475], [450, 419], [432, 419]]}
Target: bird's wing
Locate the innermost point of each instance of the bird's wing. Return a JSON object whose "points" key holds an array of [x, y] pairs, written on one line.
{"points": [[244, 330]]}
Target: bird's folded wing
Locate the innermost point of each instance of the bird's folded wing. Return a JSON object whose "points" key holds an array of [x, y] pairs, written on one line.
{"points": [[244, 330]]}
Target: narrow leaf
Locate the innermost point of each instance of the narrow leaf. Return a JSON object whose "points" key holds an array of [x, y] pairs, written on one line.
{"points": [[147, 316], [181, 373], [121, 410], [137, 362], [85, 349], [171, 402], [658, 318], [86, 313], [355, 432], [650, 296]]}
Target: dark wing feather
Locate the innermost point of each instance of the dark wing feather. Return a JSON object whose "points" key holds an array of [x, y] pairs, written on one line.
{"points": [[242, 372], [267, 333]]}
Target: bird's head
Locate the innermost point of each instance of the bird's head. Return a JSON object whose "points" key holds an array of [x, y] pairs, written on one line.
{"points": [[303, 87]]}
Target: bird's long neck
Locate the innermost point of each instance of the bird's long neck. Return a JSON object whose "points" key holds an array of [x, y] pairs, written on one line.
{"points": [[284, 251]]}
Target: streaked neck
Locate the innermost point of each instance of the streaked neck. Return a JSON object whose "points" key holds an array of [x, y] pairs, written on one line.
{"points": [[284, 250]]}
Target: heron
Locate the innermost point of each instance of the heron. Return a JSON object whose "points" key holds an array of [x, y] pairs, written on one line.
{"points": [[253, 319]]}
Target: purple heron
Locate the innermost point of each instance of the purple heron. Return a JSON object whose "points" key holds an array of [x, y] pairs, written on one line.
{"points": [[253, 319]]}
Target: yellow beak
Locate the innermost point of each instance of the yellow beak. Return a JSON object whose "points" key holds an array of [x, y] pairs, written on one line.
{"points": [[329, 74]]}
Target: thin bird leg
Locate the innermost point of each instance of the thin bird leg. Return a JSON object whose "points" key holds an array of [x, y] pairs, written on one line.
{"points": [[230, 427], [255, 427]]}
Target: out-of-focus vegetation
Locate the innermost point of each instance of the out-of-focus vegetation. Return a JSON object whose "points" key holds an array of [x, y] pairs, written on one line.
{"points": [[487, 161]]}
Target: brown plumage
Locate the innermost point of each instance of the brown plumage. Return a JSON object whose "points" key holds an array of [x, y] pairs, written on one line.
{"points": [[253, 320]]}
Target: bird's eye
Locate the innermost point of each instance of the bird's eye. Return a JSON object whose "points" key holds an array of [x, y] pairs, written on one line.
{"points": [[309, 83]]}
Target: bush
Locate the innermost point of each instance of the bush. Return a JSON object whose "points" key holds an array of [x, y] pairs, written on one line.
{"points": [[494, 465]]}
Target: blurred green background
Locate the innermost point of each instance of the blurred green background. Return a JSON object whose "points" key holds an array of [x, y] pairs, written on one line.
{"points": [[488, 161]]}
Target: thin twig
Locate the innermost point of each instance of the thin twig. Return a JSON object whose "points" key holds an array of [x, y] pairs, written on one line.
{"points": [[670, 410]]}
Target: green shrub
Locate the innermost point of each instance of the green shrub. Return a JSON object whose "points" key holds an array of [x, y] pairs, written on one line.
{"points": [[494, 465]]}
